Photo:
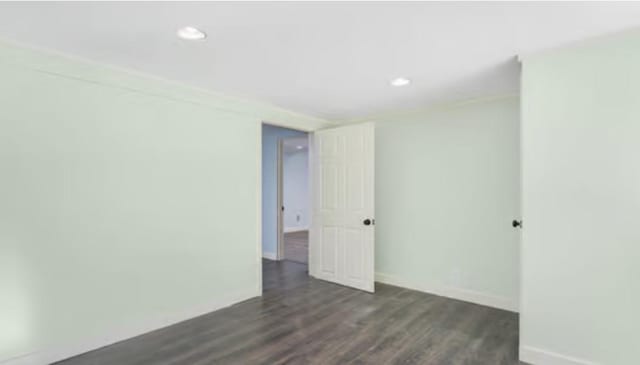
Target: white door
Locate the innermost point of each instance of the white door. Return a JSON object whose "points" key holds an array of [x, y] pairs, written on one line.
{"points": [[342, 231]]}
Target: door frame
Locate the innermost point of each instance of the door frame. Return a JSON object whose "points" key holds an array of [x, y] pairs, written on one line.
{"points": [[280, 200], [310, 135]]}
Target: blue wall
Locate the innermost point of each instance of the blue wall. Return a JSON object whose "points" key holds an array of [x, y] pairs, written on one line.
{"points": [[270, 137]]}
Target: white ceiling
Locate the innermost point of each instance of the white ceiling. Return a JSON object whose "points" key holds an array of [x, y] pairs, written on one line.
{"points": [[331, 60]]}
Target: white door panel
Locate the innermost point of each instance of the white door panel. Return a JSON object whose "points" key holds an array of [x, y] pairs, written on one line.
{"points": [[342, 246], [329, 247]]}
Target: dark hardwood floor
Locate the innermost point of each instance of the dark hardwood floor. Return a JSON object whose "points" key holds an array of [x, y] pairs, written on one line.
{"points": [[300, 320], [296, 246]]}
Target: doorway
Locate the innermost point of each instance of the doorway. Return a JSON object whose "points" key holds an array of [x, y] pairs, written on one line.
{"points": [[336, 232], [294, 199], [286, 201]]}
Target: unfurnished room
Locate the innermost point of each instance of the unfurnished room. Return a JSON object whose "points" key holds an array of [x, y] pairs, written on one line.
{"points": [[319, 182]]}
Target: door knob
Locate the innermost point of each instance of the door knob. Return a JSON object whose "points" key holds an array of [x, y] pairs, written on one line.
{"points": [[516, 224], [367, 222]]}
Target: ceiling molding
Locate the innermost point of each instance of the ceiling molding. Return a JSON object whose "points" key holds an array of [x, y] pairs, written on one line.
{"points": [[528, 56], [57, 64], [430, 109]]}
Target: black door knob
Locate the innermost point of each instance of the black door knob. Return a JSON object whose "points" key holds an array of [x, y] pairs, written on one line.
{"points": [[367, 222], [516, 224]]}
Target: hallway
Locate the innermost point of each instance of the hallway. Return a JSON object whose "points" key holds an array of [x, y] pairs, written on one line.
{"points": [[296, 246]]}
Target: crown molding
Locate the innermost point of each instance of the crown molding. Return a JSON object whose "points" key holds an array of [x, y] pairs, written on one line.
{"points": [[577, 44], [62, 65], [430, 109]]}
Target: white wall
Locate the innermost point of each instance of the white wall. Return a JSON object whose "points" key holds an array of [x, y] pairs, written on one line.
{"points": [[581, 204], [447, 189], [126, 203], [296, 190]]}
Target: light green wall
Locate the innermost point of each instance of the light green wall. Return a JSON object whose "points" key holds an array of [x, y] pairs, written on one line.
{"points": [[581, 201], [447, 188], [122, 199]]}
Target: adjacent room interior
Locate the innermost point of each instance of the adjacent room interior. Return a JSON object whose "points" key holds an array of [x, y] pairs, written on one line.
{"points": [[286, 199], [296, 199], [319, 183]]}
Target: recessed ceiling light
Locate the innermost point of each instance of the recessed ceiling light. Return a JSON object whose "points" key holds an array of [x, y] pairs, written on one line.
{"points": [[299, 147], [400, 81], [191, 33]]}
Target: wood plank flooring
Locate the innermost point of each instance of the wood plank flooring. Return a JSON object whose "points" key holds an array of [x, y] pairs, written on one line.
{"points": [[300, 320], [296, 246]]}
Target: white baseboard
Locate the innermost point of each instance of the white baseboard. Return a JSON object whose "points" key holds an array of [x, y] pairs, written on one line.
{"points": [[536, 356], [269, 255], [295, 229], [121, 334], [32, 358], [452, 292]]}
